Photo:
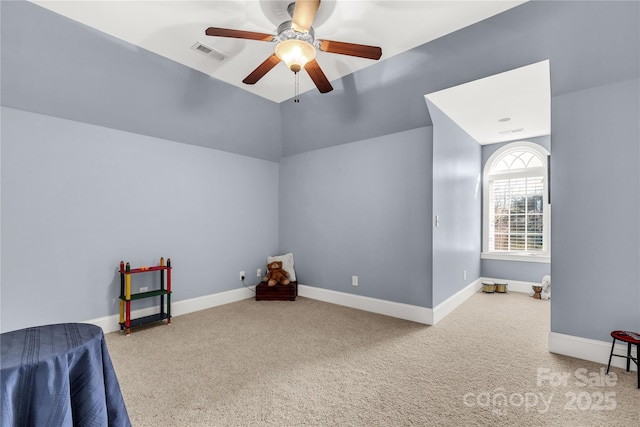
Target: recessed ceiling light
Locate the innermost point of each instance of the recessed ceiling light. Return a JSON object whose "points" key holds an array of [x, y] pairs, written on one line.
{"points": [[504, 119]]}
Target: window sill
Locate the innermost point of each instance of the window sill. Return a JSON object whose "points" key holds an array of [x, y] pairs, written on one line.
{"points": [[516, 257]]}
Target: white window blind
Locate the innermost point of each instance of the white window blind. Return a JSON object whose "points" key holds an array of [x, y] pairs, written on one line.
{"points": [[516, 214]]}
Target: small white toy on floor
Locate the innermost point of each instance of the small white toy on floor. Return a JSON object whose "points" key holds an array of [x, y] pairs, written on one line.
{"points": [[545, 292]]}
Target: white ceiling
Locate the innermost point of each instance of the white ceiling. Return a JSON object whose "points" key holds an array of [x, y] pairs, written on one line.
{"points": [[171, 28], [512, 105]]}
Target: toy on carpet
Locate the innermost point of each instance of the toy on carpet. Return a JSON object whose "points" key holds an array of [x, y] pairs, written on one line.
{"points": [[542, 291], [276, 274]]}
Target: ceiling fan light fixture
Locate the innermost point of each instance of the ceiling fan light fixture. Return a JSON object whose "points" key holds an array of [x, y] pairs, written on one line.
{"points": [[295, 53]]}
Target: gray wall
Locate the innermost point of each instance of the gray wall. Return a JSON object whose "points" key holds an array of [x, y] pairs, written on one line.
{"points": [[77, 199], [582, 54], [596, 211], [457, 201], [83, 75], [521, 271], [514, 270], [588, 44], [56, 66], [362, 209]]}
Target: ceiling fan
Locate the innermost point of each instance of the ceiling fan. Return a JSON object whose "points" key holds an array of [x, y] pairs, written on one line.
{"points": [[296, 45]]}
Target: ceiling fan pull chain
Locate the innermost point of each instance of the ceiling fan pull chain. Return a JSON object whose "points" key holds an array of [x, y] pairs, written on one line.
{"points": [[296, 84]]}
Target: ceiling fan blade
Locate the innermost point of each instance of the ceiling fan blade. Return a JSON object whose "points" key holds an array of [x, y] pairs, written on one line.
{"points": [[351, 49], [238, 34], [318, 77], [304, 14], [262, 69]]}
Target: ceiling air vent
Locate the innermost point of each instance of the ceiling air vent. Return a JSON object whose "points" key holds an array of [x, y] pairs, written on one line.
{"points": [[503, 132], [208, 50]]}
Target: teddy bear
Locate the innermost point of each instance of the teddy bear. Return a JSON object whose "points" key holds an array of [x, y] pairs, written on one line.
{"points": [[546, 287], [275, 274]]}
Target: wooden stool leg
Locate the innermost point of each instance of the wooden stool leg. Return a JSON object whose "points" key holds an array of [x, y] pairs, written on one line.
{"points": [[638, 362], [611, 355]]}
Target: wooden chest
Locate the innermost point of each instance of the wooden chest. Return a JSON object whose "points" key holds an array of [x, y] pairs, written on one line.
{"points": [[278, 292]]}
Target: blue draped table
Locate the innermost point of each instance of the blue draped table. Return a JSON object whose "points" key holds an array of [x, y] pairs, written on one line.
{"points": [[59, 375]]}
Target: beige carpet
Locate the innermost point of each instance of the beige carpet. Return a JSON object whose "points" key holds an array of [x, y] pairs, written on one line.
{"points": [[309, 363]]}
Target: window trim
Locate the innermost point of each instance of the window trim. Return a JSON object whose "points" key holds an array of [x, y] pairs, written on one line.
{"points": [[545, 255], [513, 256]]}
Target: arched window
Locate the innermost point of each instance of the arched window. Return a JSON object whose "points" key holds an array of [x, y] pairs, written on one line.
{"points": [[516, 211]]}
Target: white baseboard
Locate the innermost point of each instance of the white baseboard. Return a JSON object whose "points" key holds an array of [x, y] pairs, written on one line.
{"points": [[112, 323], [427, 316], [413, 313], [410, 312], [588, 349], [451, 303]]}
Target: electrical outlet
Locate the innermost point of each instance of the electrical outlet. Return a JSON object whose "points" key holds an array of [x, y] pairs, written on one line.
{"points": [[242, 275], [354, 280], [464, 274], [144, 289], [259, 272]]}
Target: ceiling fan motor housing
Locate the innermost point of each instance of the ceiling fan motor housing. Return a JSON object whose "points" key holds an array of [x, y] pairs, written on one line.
{"points": [[286, 32]]}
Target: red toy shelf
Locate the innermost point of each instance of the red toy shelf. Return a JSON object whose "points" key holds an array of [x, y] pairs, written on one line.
{"points": [[145, 269]]}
